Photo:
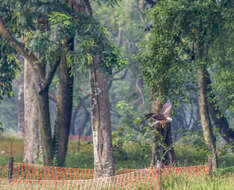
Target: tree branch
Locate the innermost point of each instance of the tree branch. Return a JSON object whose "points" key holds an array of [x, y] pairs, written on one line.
{"points": [[119, 78], [77, 108], [49, 77], [122, 77], [20, 48], [81, 103]]}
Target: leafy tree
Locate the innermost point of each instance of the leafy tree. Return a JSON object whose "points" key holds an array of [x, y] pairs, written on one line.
{"points": [[43, 25], [221, 83], [28, 22], [162, 69], [101, 57], [184, 32]]}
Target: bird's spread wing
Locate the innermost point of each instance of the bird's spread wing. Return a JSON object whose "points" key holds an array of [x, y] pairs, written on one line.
{"points": [[158, 117], [147, 116], [166, 109], [163, 115]]}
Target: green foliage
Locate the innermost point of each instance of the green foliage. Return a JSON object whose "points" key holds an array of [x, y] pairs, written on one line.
{"points": [[80, 160], [128, 129], [194, 20], [8, 69], [189, 182], [92, 40], [227, 170], [132, 155], [222, 72], [163, 61], [178, 28], [188, 155], [108, 2], [50, 24]]}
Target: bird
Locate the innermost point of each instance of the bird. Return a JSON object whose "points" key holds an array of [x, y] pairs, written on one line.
{"points": [[162, 117]]}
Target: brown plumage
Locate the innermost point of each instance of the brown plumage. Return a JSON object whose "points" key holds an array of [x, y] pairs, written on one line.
{"points": [[162, 117]]}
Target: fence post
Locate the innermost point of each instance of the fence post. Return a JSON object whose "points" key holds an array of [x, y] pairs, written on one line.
{"points": [[159, 165], [10, 167], [210, 166]]}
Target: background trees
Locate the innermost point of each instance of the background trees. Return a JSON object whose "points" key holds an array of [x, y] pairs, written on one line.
{"points": [[177, 42]]}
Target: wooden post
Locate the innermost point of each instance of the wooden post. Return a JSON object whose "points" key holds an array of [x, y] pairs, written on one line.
{"points": [[10, 168], [210, 166], [159, 165], [11, 161]]}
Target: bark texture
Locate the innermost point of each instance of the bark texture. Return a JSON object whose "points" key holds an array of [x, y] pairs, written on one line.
{"points": [[20, 122], [31, 120], [101, 123], [204, 114], [63, 112], [45, 128], [162, 148]]}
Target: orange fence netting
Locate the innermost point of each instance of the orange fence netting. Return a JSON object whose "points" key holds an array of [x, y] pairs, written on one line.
{"points": [[29, 176], [37, 172]]}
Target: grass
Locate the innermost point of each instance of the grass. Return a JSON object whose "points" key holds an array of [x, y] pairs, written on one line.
{"points": [[172, 182], [216, 182], [5, 150]]}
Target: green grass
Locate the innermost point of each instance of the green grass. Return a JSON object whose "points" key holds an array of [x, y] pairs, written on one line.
{"points": [[172, 182], [217, 182], [17, 149]]}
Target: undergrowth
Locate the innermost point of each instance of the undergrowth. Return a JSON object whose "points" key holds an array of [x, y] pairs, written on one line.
{"points": [[130, 155]]}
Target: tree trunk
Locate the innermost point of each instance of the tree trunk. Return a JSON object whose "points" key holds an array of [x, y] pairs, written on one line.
{"points": [[204, 114], [20, 122], [45, 128], [101, 123], [162, 148], [64, 97], [220, 122], [63, 112], [39, 122], [31, 120], [169, 152]]}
